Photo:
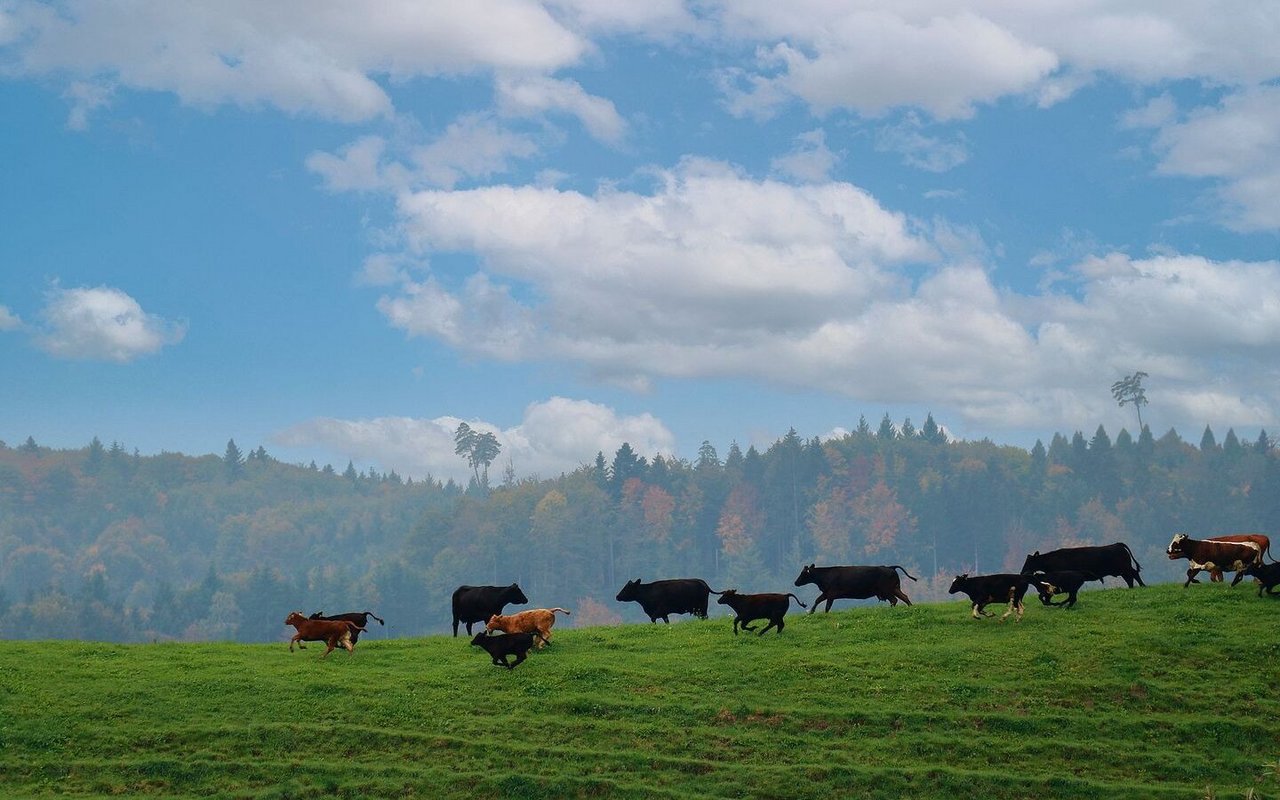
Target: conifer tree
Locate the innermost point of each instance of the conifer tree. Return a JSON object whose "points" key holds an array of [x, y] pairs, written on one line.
{"points": [[233, 461]]}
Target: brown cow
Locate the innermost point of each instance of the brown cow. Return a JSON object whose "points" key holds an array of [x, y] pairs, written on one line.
{"points": [[334, 633], [1260, 539], [1210, 555], [537, 621]]}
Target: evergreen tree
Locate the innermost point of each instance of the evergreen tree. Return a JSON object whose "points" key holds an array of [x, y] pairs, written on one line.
{"points": [[864, 430], [1263, 444], [233, 461], [626, 465], [350, 472], [886, 433], [908, 430], [94, 459], [708, 458], [1208, 443], [30, 446], [933, 434]]}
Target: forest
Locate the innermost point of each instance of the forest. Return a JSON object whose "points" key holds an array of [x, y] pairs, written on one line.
{"points": [[100, 543]]}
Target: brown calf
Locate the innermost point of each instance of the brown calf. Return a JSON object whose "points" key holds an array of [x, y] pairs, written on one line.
{"points": [[537, 621], [334, 633]]}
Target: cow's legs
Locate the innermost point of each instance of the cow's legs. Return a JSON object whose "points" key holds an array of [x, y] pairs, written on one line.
{"points": [[519, 657], [1191, 575], [1239, 577], [773, 623], [901, 596]]}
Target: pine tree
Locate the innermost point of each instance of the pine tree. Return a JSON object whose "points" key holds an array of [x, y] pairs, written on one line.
{"points": [[97, 454], [233, 461]]}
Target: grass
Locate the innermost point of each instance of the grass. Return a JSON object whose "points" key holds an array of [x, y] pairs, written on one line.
{"points": [[1150, 693]]}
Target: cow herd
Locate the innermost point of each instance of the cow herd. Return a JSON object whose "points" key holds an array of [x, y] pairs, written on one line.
{"points": [[1058, 572]]}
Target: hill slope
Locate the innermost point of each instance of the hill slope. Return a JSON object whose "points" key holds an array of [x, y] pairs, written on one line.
{"points": [[1156, 692]]}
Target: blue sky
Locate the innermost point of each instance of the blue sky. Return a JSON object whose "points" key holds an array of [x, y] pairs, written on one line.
{"points": [[337, 230]]}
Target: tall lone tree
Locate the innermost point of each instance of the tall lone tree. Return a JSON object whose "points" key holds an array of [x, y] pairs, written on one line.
{"points": [[1129, 390], [479, 449]]}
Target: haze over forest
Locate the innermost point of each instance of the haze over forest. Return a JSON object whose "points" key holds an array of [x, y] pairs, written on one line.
{"points": [[101, 542]]}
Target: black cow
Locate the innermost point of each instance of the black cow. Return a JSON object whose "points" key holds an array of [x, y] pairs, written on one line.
{"points": [[1267, 575], [472, 604], [854, 583], [1213, 555], [360, 618], [662, 598], [503, 645], [998, 588], [748, 607], [1102, 560], [1063, 581]]}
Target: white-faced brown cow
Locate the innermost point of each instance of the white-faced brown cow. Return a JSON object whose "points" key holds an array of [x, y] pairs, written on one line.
{"points": [[1211, 555]]}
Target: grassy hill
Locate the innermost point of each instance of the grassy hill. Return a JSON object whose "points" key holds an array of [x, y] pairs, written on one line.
{"points": [[1150, 693]]}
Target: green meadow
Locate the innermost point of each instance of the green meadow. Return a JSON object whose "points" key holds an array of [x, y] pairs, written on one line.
{"points": [[1146, 693]]}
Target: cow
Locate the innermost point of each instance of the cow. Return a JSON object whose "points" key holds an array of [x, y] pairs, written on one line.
{"points": [[508, 644], [1102, 560], [1065, 581], [1267, 575], [360, 618], [854, 583], [537, 621], [472, 604], [1262, 540], [660, 599], [1210, 555], [334, 633], [997, 588], [748, 607]]}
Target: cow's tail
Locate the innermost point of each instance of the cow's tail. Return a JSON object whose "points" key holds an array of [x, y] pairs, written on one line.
{"points": [[797, 599], [1132, 557], [558, 608], [904, 572], [375, 616], [707, 586], [354, 628]]}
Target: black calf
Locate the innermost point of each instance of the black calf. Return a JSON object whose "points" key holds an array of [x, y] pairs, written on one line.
{"points": [[510, 644], [748, 607], [1268, 576]]}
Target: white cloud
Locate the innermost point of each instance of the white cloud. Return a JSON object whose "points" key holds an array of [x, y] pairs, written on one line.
{"points": [[9, 321], [876, 59], [320, 58], [878, 55], [1237, 145], [810, 161], [473, 146], [102, 324], [919, 150], [555, 436], [85, 98], [534, 95], [357, 168]]}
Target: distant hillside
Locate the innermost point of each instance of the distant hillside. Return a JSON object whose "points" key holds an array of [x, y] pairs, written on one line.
{"points": [[1145, 693], [99, 543]]}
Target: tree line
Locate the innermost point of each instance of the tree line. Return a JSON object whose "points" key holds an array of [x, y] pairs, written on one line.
{"points": [[101, 543]]}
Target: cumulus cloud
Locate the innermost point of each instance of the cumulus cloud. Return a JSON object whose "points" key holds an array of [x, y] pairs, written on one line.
{"points": [[9, 321], [473, 146], [101, 324], [322, 59], [671, 282], [555, 436], [714, 274], [930, 153], [874, 59], [1236, 144], [528, 96], [811, 160]]}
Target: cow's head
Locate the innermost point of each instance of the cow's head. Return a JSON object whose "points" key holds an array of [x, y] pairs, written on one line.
{"points": [[1029, 566], [958, 583], [494, 622], [1176, 546], [479, 638], [727, 597], [294, 618], [806, 576], [317, 615], [515, 596], [629, 591]]}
